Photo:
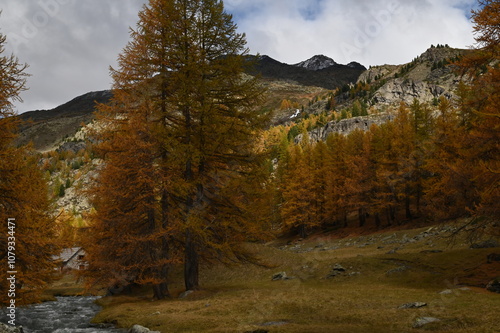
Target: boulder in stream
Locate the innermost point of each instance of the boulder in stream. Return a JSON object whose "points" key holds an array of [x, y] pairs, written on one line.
{"points": [[141, 329]]}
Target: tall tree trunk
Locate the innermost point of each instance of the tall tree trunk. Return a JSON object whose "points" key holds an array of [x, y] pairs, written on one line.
{"points": [[362, 216], [157, 292], [165, 246], [408, 203], [418, 197], [302, 231], [388, 216], [191, 263], [377, 220], [155, 254], [392, 211]]}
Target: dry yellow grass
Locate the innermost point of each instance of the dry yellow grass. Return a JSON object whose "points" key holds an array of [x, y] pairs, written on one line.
{"points": [[244, 299]]}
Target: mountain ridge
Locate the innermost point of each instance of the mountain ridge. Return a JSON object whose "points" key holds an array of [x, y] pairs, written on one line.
{"points": [[426, 78]]}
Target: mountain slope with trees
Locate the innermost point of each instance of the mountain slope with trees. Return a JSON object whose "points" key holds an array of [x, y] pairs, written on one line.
{"points": [[189, 162]]}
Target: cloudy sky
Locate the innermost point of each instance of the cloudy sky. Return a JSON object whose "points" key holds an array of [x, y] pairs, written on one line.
{"points": [[70, 44]]}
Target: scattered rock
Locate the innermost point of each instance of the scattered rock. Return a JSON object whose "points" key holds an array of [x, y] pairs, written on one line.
{"points": [[387, 238], [156, 313], [336, 270], [431, 251], [414, 305], [399, 269], [186, 294], [492, 257], [260, 330], [338, 267], [494, 286], [393, 251], [274, 323], [75, 147], [446, 292], [485, 244], [422, 321], [10, 329], [280, 276], [141, 329]]}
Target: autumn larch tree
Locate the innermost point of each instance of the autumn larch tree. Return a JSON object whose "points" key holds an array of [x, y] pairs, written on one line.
{"points": [[299, 207], [186, 62], [128, 241], [24, 198], [482, 108]]}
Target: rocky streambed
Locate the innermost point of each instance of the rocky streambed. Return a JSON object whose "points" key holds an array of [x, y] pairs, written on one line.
{"points": [[66, 315]]}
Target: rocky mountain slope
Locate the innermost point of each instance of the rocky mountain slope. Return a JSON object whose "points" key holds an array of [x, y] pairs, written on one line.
{"points": [[429, 76], [426, 78], [47, 128], [318, 71]]}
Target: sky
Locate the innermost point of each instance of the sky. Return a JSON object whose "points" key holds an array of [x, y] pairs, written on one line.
{"points": [[70, 44]]}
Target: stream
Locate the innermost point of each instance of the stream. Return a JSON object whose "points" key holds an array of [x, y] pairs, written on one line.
{"points": [[66, 315]]}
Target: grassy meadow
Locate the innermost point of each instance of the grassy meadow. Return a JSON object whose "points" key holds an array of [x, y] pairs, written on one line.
{"points": [[383, 271]]}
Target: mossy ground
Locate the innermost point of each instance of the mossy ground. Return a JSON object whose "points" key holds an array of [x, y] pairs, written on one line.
{"points": [[244, 299]]}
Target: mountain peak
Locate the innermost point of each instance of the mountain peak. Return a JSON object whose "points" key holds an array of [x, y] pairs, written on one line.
{"points": [[316, 63], [357, 65]]}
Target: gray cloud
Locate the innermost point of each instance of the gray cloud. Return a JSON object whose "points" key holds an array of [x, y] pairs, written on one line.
{"points": [[369, 31], [70, 44]]}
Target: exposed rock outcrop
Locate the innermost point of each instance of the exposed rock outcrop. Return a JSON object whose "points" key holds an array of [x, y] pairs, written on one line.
{"points": [[346, 126], [427, 77], [406, 90]]}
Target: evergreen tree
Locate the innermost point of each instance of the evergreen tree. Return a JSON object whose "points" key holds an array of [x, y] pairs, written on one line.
{"points": [[183, 72], [129, 239], [481, 108], [298, 207]]}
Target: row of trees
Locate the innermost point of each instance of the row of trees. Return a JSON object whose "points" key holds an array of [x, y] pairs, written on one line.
{"points": [[443, 163]]}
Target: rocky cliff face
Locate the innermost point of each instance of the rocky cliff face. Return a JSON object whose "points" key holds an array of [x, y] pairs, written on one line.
{"points": [[428, 77], [406, 90], [346, 126]]}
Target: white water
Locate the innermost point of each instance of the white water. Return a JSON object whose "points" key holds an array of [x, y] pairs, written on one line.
{"points": [[66, 315]]}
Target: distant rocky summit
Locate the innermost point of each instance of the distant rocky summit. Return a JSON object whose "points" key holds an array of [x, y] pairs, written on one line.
{"points": [[316, 63]]}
